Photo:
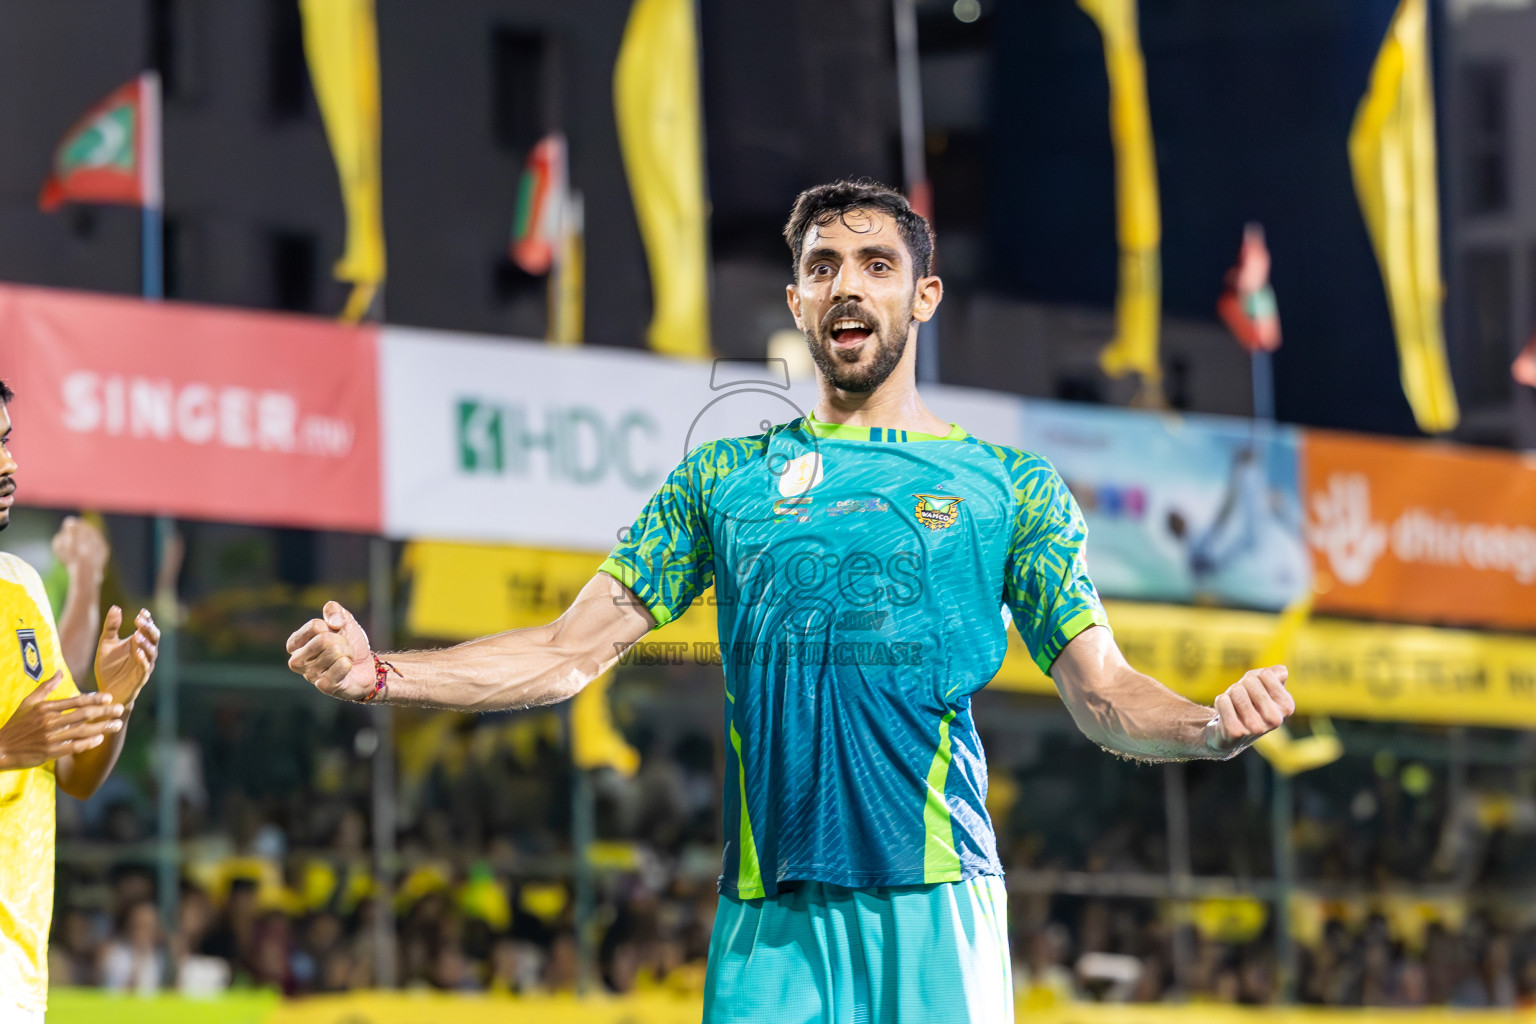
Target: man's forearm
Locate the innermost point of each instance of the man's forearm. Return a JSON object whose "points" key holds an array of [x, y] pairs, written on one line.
{"points": [[80, 621], [81, 775], [518, 669], [1131, 713], [1139, 717]]}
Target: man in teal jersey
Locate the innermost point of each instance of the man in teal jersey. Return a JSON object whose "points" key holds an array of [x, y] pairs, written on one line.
{"points": [[863, 558]]}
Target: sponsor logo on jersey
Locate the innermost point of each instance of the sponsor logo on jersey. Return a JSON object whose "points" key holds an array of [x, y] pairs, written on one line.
{"points": [[792, 510], [849, 506], [31, 654], [937, 511], [800, 475], [864, 618]]}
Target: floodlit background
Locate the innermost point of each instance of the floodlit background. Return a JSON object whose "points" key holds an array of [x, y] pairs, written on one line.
{"points": [[412, 305]]}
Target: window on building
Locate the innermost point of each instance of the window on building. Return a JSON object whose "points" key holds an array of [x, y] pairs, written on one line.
{"points": [[1485, 122], [520, 69], [295, 266], [287, 72], [1487, 342]]}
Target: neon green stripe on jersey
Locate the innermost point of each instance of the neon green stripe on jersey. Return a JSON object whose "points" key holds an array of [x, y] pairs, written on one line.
{"points": [[749, 880], [940, 861]]}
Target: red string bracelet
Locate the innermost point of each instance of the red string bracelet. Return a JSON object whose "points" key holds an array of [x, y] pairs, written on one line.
{"points": [[381, 669]]}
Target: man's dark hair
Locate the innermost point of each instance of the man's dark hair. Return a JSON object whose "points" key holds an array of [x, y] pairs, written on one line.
{"points": [[6, 394], [826, 203]]}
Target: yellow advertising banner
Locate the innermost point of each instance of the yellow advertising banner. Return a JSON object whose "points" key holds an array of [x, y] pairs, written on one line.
{"points": [[1338, 667], [79, 1006]]}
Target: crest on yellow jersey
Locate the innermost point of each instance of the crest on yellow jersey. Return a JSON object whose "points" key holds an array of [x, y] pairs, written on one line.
{"points": [[31, 654]]}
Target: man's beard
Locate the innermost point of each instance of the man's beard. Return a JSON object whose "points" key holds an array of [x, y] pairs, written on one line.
{"points": [[852, 377]]}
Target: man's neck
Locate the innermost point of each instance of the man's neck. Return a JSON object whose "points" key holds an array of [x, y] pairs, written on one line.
{"points": [[895, 404]]}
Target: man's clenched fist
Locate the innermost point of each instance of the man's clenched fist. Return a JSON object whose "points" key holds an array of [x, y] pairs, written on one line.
{"points": [[333, 653], [1256, 704]]}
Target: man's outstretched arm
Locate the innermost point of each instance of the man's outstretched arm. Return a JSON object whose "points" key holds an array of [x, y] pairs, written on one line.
{"points": [[1131, 713], [517, 669]]}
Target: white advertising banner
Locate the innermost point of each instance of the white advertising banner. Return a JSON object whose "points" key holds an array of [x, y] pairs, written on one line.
{"points": [[486, 439]]}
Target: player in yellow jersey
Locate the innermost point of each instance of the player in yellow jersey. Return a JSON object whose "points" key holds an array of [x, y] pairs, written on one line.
{"points": [[49, 733]]}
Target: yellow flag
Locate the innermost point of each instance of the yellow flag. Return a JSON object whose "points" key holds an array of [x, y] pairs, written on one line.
{"points": [[656, 103], [568, 285], [595, 742], [1392, 154], [1139, 227], [342, 46], [1288, 755]]}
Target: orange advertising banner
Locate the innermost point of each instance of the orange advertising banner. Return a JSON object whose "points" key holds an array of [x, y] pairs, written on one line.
{"points": [[1420, 532], [193, 411]]}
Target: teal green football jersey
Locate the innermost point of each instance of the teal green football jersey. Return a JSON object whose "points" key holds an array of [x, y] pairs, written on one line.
{"points": [[861, 579]]}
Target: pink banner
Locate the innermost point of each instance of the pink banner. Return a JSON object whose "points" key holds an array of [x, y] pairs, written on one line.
{"points": [[191, 411]]}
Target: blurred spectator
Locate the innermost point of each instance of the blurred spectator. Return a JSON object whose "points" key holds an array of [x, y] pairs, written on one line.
{"points": [[74, 952], [135, 960]]}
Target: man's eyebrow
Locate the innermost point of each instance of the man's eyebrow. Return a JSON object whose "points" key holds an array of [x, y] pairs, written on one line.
{"points": [[822, 253], [884, 252]]}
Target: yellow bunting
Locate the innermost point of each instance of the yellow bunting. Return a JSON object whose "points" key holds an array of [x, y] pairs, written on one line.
{"points": [[1139, 230], [1392, 154], [342, 47], [656, 103]]}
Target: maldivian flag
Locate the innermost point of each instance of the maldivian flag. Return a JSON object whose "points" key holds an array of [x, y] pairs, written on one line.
{"points": [[112, 154], [1392, 154], [656, 101], [1139, 225], [1247, 305], [541, 200]]}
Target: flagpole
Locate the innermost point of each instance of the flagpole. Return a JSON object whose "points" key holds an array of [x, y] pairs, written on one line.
{"points": [[914, 166], [152, 188], [152, 273]]}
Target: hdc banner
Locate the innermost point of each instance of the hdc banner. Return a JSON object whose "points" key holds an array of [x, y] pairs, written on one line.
{"points": [[487, 439], [191, 411]]}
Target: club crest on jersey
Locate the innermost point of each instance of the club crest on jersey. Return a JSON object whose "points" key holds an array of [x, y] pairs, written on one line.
{"points": [[31, 654], [800, 475], [937, 511]]}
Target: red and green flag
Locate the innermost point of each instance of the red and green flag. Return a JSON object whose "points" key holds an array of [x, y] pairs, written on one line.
{"points": [[112, 154], [1247, 304], [1524, 368], [541, 201]]}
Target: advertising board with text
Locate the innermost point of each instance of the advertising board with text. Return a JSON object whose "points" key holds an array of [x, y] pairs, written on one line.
{"points": [[1419, 532], [488, 439], [166, 408]]}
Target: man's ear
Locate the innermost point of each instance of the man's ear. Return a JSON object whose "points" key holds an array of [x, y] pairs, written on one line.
{"points": [[926, 298], [792, 296]]}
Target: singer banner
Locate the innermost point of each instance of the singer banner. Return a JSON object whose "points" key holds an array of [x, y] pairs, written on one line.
{"points": [[204, 413]]}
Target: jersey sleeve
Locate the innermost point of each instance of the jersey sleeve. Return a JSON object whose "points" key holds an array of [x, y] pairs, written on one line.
{"points": [[666, 558], [48, 644], [1046, 585]]}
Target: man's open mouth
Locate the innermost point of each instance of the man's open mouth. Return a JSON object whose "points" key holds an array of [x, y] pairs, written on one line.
{"points": [[850, 330]]}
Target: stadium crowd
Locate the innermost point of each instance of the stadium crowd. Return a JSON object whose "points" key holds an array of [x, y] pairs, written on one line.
{"points": [[277, 887]]}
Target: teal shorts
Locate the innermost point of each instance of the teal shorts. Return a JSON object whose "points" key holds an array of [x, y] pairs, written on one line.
{"points": [[822, 954]]}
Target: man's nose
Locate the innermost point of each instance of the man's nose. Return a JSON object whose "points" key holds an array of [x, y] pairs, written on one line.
{"points": [[849, 286]]}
